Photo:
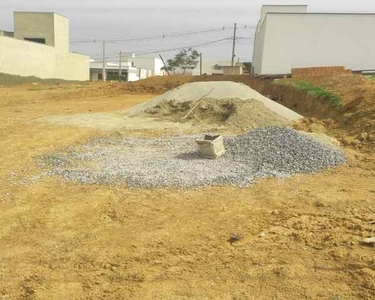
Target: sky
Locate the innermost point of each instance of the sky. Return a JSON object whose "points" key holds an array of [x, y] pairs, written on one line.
{"points": [[119, 20]]}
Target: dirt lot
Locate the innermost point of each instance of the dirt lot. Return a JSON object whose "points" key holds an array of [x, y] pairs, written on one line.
{"points": [[301, 236]]}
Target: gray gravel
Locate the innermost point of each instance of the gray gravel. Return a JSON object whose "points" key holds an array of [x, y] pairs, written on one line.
{"points": [[152, 163]]}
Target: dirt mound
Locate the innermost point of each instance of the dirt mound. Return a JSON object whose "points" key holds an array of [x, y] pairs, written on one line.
{"points": [[231, 113], [10, 80], [354, 122], [218, 90]]}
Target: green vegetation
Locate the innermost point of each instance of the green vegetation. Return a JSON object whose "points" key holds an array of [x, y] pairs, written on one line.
{"points": [[186, 59], [334, 99], [247, 66]]}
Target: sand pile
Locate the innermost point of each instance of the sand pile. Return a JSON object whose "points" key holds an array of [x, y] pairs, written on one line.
{"points": [[214, 90], [231, 113]]}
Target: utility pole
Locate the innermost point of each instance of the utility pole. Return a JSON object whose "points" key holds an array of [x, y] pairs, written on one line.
{"points": [[234, 43], [119, 67], [200, 64], [162, 59], [104, 76]]}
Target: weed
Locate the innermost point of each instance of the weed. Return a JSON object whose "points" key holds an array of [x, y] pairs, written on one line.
{"points": [[334, 99]]}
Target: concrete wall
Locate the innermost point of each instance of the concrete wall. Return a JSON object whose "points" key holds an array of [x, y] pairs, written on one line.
{"points": [[208, 67], [61, 25], [24, 58], [235, 70], [54, 28], [281, 9], [259, 47], [34, 25], [287, 41], [149, 63], [143, 73], [133, 75]]}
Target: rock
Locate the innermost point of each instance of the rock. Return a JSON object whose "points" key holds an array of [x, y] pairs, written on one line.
{"points": [[355, 142], [204, 107], [363, 136], [262, 235], [153, 111], [346, 141], [234, 238], [173, 104], [315, 127], [368, 241]]}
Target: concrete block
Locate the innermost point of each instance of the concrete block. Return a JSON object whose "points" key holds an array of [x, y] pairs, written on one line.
{"points": [[211, 146]]}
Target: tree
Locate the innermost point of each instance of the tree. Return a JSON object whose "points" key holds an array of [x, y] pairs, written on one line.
{"points": [[248, 66], [186, 59]]}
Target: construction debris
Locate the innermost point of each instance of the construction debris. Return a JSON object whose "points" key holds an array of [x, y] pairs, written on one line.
{"points": [[369, 241], [175, 162], [211, 146]]}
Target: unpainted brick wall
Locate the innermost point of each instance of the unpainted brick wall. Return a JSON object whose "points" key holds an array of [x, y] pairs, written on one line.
{"points": [[316, 71]]}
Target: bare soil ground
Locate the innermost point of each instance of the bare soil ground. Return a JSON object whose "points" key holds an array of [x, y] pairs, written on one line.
{"points": [[300, 237], [355, 120]]}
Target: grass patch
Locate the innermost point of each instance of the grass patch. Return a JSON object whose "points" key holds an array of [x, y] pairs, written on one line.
{"points": [[334, 99]]}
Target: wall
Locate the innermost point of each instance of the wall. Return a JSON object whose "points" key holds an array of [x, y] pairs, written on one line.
{"points": [[24, 58], [232, 70], [34, 25], [94, 75], [208, 67], [53, 27], [259, 46], [143, 73], [319, 71], [261, 27], [61, 25], [149, 63], [315, 40], [282, 9], [133, 76]]}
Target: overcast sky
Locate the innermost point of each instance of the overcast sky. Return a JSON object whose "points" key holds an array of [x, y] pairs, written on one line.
{"points": [[123, 19]]}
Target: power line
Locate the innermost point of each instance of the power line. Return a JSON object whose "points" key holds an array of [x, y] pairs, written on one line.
{"points": [[159, 36], [162, 36], [174, 49], [191, 46]]}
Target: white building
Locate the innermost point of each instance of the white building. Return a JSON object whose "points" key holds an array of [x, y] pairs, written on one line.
{"points": [[210, 68], [147, 63], [39, 46], [128, 71], [290, 37]]}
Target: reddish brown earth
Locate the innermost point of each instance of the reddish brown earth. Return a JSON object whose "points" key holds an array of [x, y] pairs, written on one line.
{"points": [[300, 237]]}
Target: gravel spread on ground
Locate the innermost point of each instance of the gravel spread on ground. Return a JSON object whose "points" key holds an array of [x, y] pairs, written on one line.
{"points": [[218, 90], [175, 162]]}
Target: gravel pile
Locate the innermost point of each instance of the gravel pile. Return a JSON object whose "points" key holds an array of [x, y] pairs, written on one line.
{"points": [[174, 162]]}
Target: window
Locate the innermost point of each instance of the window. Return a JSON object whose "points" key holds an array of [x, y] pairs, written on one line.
{"points": [[36, 40]]}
